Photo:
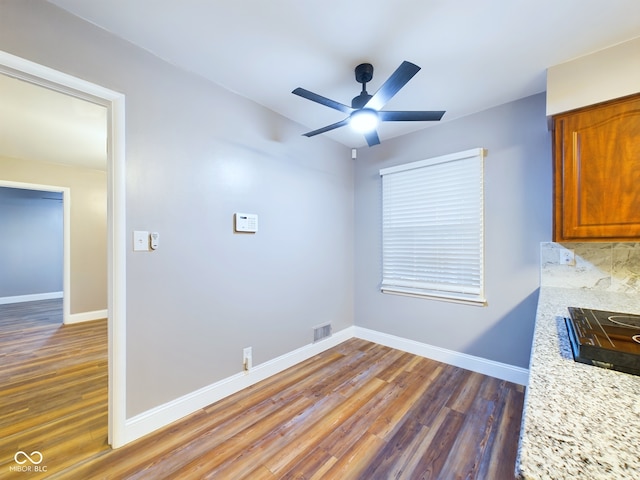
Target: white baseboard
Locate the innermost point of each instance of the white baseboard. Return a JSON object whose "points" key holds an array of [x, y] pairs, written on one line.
{"points": [[87, 316], [163, 415], [34, 297], [492, 368]]}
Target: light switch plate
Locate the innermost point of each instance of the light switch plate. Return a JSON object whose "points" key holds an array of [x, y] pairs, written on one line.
{"points": [[140, 241]]}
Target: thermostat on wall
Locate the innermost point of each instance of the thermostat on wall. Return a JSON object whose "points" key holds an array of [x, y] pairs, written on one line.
{"points": [[246, 222]]}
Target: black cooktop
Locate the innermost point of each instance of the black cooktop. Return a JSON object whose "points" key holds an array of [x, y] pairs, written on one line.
{"points": [[605, 339]]}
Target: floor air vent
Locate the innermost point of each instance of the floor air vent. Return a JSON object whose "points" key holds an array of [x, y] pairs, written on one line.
{"points": [[321, 331]]}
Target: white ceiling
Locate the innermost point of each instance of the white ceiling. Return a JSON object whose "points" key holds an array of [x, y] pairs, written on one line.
{"points": [[474, 54]]}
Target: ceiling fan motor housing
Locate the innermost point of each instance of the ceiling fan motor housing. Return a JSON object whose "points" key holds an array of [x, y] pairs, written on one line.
{"points": [[364, 74], [360, 101]]}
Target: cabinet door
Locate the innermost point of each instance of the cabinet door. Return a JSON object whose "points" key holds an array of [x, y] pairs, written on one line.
{"points": [[597, 173]]}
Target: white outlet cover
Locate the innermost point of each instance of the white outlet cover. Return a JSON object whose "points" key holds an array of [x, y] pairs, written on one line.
{"points": [[247, 357], [567, 257]]}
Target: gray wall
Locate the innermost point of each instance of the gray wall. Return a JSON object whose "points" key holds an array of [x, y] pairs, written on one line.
{"points": [[195, 154], [517, 218], [88, 224], [31, 242]]}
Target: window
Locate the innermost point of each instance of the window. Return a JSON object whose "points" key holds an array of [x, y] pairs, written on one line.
{"points": [[432, 228]]}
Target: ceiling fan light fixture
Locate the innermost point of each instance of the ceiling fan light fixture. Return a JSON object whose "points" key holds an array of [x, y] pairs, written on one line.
{"points": [[364, 120], [367, 110]]}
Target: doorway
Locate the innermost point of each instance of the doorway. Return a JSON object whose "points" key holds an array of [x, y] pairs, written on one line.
{"points": [[25, 237], [28, 71]]}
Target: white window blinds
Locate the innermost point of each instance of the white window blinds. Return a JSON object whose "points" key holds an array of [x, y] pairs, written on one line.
{"points": [[432, 228]]}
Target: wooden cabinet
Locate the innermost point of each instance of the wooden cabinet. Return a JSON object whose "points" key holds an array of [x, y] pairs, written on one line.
{"points": [[597, 172]]}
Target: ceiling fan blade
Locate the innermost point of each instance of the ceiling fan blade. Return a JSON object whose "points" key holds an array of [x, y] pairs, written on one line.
{"points": [[333, 126], [418, 116], [372, 138], [394, 83], [314, 97]]}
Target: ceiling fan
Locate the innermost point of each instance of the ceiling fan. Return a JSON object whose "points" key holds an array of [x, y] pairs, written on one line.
{"points": [[364, 112]]}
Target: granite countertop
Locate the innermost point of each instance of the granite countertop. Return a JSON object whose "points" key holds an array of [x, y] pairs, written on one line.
{"points": [[580, 421]]}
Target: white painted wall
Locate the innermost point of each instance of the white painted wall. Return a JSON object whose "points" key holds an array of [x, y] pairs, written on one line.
{"points": [[610, 73], [518, 179]]}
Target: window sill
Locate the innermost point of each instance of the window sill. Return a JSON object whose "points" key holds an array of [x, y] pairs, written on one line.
{"points": [[443, 297]]}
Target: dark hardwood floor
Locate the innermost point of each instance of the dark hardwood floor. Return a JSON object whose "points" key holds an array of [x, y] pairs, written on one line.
{"points": [[358, 410]]}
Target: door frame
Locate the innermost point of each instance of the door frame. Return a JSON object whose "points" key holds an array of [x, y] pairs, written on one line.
{"points": [[23, 69], [66, 236]]}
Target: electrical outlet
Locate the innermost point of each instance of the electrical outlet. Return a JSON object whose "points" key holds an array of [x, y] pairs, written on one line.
{"points": [[567, 257], [247, 359]]}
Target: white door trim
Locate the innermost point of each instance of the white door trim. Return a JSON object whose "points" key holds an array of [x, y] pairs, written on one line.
{"points": [[116, 220]]}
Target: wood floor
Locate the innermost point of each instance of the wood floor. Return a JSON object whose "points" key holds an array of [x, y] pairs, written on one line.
{"points": [[53, 387], [359, 410]]}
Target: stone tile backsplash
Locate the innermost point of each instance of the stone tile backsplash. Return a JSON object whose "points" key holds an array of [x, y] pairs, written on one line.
{"points": [[613, 267]]}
